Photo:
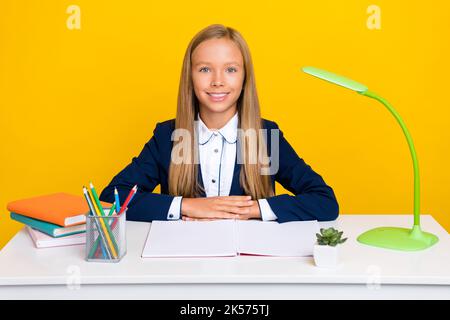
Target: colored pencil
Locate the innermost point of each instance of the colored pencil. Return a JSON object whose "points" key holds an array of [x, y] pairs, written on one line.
{"points": [[104, 228], [94, 249], [116, 196], [128, 199], [91, 207], [112, 209]]}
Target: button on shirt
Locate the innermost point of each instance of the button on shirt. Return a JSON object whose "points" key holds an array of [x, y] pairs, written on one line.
{"points": [[217, 154]]}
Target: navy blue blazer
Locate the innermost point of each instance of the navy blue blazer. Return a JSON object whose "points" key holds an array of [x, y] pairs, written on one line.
{"points": [[313, 199]]}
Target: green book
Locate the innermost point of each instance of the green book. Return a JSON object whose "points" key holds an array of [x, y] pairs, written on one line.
{"points": [[51, 229]]}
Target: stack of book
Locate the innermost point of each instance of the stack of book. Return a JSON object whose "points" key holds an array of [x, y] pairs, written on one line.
{"points": [[52, 220]]}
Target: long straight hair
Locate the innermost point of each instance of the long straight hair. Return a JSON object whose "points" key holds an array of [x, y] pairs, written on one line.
{"points": [[183, 177]]}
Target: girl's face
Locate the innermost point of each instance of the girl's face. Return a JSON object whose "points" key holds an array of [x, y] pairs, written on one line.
{"points": [[217, 75]]}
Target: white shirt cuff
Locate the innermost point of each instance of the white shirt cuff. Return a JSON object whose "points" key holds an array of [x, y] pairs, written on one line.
{"points": [[266, 212], [175, 209]]}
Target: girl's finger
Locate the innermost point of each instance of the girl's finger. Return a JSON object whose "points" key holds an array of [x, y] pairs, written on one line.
{"points": [[241, 203], [234, 198], [226, 215], [202, 219], [237, 203], [234, 209]]}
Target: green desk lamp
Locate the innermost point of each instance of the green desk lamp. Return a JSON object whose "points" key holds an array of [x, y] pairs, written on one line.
{"points": [[387, 237]]}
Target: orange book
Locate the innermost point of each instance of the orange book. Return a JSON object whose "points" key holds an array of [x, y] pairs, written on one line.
{"points": [[61, 208]]}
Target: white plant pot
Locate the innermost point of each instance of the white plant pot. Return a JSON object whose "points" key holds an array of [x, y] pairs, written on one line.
{"points": [[326, 256]]}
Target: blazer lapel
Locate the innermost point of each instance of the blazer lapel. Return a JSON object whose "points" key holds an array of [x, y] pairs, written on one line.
{"points": [[200, 181], [236, 188]]}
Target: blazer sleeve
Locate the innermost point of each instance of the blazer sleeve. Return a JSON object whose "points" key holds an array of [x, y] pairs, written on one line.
{"points": [[143, 171], [313, 199]]}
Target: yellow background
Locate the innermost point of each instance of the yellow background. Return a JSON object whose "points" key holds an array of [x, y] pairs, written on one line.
{"points": [[77, 105]]}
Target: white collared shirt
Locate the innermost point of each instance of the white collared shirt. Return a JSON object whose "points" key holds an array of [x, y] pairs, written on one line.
{"points": [[217, 154]]}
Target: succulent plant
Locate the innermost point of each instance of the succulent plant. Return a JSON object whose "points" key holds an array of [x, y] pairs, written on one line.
{"points": [[330, 237]]}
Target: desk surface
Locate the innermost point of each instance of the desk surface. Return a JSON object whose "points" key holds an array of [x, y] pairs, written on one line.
{"points": [[22, 264]]}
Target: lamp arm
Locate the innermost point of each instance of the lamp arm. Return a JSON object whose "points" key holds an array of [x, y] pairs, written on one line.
{"points": [[411, 149]]}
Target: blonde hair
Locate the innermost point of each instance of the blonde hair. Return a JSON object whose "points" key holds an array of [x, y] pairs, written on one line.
{"points": [[183, 177]]}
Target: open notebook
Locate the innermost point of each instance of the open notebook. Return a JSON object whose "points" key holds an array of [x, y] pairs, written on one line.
{"points": [[230, 238]]}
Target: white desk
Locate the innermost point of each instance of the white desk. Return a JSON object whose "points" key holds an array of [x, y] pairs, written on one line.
{"points": [[365, 272]]}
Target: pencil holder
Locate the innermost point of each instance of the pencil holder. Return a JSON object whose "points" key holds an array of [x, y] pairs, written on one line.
{"points": [[106, 237]]}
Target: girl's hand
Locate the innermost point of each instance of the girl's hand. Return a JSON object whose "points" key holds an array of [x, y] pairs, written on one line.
{"points": [[224, 207]]}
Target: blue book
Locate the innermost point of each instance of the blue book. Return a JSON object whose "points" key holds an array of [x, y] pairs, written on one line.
{"points": [[51, 229]]}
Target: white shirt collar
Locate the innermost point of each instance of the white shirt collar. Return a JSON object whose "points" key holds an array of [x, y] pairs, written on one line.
{"points": [[228, 131]]}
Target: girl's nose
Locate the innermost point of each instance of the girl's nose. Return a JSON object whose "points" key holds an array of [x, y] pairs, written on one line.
{"points": [[217, 79], [216, 83]]}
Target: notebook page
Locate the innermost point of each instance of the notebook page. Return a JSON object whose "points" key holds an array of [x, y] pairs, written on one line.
{"points": [[289, 239], [190, 239]]}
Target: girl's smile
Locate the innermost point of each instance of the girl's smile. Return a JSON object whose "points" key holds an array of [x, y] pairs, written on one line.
{"points": [[217, 96]]}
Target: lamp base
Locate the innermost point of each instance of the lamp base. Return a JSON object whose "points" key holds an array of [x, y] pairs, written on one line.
{"points": [[402, 239]]}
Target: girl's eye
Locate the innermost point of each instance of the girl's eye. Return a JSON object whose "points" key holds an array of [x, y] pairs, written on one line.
{"points": [[206, 69]]}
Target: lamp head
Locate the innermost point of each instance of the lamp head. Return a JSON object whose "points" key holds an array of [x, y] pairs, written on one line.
{"points": [[336, 79]]}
